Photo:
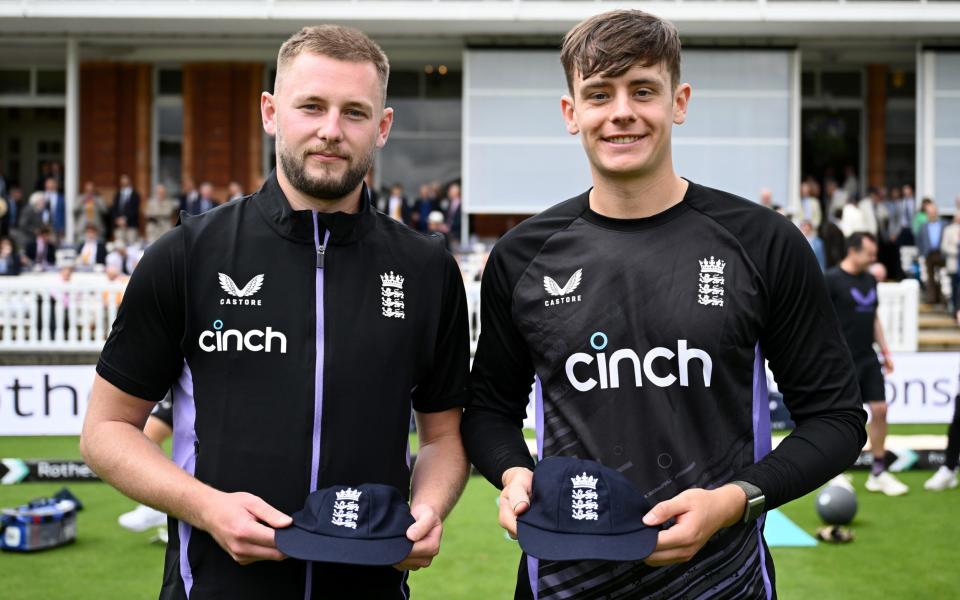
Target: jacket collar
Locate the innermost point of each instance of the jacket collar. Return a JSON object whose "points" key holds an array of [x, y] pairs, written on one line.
{"points": [[297, 225]]}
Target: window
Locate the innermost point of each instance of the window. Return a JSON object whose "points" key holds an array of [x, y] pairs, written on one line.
{"points": [[14, 81], [52, 82], [424, 145], [168, 128]]}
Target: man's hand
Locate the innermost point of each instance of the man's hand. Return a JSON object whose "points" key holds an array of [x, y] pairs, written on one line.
{"points": [[515, 497], [887, 364], [699, 514], [243, 525], [425, 534]]}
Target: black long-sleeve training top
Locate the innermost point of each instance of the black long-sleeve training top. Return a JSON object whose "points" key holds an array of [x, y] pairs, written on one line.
{"points": [[648, 339]]}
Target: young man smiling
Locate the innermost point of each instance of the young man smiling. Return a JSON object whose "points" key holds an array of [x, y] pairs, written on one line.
{"points": [[657, 368], [357, 318]]}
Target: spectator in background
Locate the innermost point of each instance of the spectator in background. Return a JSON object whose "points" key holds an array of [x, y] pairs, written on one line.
{"points": [[395, 205], [928, 246], [950, 247], [10, 260], [41, 251], [853, 291], [234, 191], [453, 206], [35, 215], [203, 201], [40, 183], [160, 213], [909, 204], [436, 224], [766, 198], [815, 243], [90, 210], [945, 477], [117, 256], [851, 186], [126, 209], [58, 208], [91, 251], [878, 271], [56, 173], [809, 209], [834, 244], [188, 194], [835, 197], [851, 219], [920, 218], [15, 206], [4, 217], [424, 205], [869, 208]]}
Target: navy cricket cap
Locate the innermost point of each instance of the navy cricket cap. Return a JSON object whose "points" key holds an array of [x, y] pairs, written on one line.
{"points": [[362, 525], [581, 510]]}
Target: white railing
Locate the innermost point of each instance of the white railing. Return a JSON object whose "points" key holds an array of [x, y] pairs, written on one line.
{"points": [[41, 312], [898, 312]]}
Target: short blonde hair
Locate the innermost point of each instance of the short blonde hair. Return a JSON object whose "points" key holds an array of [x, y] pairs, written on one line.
{"points": [[338, 42]]}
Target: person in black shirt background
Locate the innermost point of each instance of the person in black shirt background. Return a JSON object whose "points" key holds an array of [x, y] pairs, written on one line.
{"points": [[853, 291]]}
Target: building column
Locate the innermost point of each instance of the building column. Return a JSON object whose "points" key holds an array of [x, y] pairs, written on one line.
{"points": [[876, 125], [71, 145]]}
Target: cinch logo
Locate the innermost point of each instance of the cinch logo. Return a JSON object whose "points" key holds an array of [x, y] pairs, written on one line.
{"points": [[219, 340], [608, 370]]}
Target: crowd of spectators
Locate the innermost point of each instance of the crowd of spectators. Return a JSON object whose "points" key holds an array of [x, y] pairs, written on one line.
{"points": [[435, 208], [829, 212], [111, 232]]}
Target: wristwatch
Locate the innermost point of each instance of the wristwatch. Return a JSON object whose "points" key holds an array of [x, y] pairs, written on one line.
{"points": [[755, 501]]}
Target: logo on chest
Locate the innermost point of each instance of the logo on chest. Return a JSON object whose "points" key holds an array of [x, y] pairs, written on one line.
{"points": [[656, 365], [710, 286], [864, 302], [240, 296], [562, 295], [391, 296]]}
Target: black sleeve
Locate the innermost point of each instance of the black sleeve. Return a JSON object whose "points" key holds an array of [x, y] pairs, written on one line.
{"points": [[143, 355], [446, 385], [500, 379], [813, 370]]}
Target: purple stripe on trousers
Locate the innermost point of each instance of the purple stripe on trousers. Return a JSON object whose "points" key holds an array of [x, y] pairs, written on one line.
{"points": [[185, 456], [317, 383], [762, 444], [533, 565]]}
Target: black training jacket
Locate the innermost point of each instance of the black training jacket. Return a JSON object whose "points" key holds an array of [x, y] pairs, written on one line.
{"points": [[295, 343]]}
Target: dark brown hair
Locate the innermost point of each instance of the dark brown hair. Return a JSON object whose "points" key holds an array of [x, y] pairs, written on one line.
{"points": [[612, 42], [338, 42]]}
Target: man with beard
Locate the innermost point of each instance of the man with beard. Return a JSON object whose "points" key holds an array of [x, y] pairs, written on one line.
{"points": [[297, 327]]}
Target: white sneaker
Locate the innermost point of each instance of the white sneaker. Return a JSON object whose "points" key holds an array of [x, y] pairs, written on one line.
{"points": [[843, 480], [943, 479], [886, 483], [142, 518]]}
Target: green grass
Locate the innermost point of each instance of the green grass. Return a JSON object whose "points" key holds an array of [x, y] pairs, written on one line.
{"points": [[905, 547]]}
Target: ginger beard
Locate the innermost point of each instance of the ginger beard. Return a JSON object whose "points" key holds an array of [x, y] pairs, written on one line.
{"points": [[330, 187]]}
